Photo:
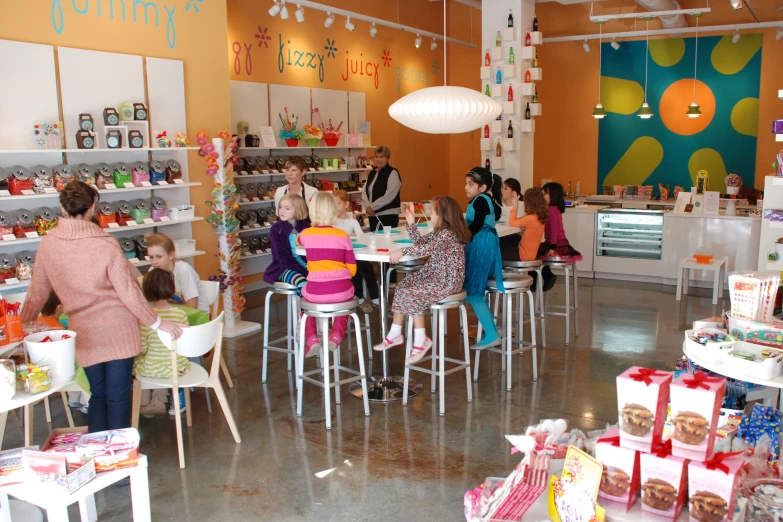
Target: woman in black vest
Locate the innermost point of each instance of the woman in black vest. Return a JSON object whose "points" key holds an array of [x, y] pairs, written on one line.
{"points": [[381, 194]]}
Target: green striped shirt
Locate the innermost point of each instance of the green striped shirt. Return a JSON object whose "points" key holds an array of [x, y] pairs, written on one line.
{"points": [[155, 359]]}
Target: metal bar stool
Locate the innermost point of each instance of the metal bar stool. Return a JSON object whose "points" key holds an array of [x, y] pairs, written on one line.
{"points": [[528, 267], [515, 284], [324, 312], [292, 313], [366, 328], [438, 353], [569, 307]]}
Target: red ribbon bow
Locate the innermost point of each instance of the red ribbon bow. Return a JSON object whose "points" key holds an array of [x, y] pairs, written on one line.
{"points": [[644, 374], [699, 380], [161, 135], [614, 441], [716, 462], [663, 450]]}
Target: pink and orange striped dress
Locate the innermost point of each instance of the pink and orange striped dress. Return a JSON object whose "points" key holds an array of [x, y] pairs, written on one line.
{"points": [[330, 264]]}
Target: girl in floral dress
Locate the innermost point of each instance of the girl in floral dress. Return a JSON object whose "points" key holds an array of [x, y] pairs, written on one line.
{"points": [[441, 276]]}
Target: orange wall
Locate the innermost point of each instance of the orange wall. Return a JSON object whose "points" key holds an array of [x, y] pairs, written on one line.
{"points": [[200, 44], [566, 140], [425, 161]]}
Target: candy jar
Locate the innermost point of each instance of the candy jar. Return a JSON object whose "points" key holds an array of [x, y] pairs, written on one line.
{"points": [[7, 267], [106, 214], [42, 179], [270, 191], [173, 170], [6, 223], [103, 175], [241, 215], [158, 208], [123, 212], [266, 244], [271, 217], [25, 222], [45, 220], [252, 192], [7, 374], [24, 265], [85, 173], [255, 243], [121, 173], [3, 179], [62, 175], [139, 173], [244, 249], [157, 170], [241, 191], [140, 210], [20, 179], [253, 216], [270, 163], [141, 246], [765, 500], [128, 247]]}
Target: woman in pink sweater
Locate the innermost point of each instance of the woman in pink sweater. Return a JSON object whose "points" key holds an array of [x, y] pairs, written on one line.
{"points": [[87, 270]]}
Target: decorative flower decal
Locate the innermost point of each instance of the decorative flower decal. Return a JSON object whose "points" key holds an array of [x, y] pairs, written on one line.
{"points": [[263, 38], [331, 50], [386, 58], [194, 4]]}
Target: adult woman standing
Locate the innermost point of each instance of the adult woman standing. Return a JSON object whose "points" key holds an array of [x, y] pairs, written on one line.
{"points": [[381, 195], [85, 267], [294, 172]]}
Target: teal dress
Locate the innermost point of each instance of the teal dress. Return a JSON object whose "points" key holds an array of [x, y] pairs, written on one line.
{"points": [[482, 254]]}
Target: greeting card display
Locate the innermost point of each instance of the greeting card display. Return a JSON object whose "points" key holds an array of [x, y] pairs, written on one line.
{"points": [[642, 397], [753, 295], [572, 497], [696, 400]]}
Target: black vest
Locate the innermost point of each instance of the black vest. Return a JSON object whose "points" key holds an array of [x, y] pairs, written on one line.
{"points": [[379, 189]]}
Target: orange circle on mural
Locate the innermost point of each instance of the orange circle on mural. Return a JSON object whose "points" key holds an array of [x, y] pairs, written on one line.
{"points": [[674, 104]]}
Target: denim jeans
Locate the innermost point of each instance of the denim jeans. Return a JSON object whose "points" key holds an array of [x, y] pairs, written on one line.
{"points": [[111, 385]]}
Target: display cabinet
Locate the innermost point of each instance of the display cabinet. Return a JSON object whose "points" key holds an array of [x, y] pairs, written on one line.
{"points": [[629, 233]]}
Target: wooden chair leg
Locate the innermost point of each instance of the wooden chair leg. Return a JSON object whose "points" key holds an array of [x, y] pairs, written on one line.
{"points": [[188, 417], [224, 369], [178, 422], [68, 415], [221, 396], [28, 425], [3, 419], [48, 410], [136, 404]]}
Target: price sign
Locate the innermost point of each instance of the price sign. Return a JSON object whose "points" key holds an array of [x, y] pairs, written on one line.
{"points": [[131, 223], [164, 219], [28, 193], [267, 198], [163, 182], [265, 171], [12, 281], [146, 184], [31, 235], [9, 237], [243, 173], [50, 190], [110, 186], [178, 182], [114, 225], [267, 224], [148, 221], [256, 225], [245, 227], [255, 173], [244, 200]]}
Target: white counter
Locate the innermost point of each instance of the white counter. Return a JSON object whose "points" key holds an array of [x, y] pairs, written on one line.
{"points": [[734, 237]]}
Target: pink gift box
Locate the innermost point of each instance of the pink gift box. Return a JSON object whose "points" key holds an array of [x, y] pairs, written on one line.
{"points": [[695, 407], [664, 482], [620, 479], [642, 398], [713, 486]]}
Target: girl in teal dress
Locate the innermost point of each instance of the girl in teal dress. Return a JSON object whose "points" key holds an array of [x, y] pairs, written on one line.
{"points": [[482, 254]]}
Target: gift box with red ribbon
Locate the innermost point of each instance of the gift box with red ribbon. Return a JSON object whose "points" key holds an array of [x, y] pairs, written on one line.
{"points": [[713, 486], [620, 478], [664, 480], [642, 398], [695, 407]]}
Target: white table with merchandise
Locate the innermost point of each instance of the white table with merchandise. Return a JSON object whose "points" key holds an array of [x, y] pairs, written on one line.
{"points": [[386, 388]]}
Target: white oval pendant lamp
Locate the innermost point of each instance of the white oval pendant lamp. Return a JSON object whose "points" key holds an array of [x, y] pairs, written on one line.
{"points": [[445, 110]]}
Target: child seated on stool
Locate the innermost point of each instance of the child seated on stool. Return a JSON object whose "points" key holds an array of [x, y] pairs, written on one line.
{"points": [[364, 270], [155, 359], [286, 265], [556, 244], [441, 276], [532, 225], [330, 265]]}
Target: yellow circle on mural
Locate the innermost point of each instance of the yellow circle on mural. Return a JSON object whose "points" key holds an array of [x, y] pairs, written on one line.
{"points": [[667, 52], [745, 116], [674, 104]]}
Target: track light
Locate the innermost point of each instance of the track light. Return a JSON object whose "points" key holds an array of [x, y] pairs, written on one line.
{"points": [[373, 30], [736, 4], [736, 37], [299, 14], [274, 9], [586, 46], [329, 19], [779, 34], [417, 41], [433, 45], [284, 12], [348, 25], [615, 45]]}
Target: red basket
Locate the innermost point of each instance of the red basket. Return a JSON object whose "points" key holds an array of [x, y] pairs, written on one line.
{"points": [[292, 142], [332, 139]]}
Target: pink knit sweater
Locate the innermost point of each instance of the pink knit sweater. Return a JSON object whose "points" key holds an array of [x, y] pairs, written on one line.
{"points": [[86, 269]]}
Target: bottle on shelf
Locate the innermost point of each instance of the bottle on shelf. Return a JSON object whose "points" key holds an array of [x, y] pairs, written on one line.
{"points": [[527, 38], [510, 18], [535, 59], [527, 111], [498, 76], [535, 22], [511, 56], [487, 163], [498, 149], [486, 58], [498, 40], [535, 94], [486, 131], [487, 91], [527, 76], [510, 129], [510, 93], [578, 188]]}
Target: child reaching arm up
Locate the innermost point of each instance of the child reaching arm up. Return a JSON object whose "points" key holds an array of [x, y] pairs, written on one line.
{"points": [[441, 276], [532, 225]]}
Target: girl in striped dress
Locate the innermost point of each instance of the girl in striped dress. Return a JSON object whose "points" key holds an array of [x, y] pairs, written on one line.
{"points": [[155, 359], [330, 266]]}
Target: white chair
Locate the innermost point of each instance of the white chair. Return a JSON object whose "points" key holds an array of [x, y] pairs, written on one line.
{"points": [[718, 266], [194, 342], [211, 296]]}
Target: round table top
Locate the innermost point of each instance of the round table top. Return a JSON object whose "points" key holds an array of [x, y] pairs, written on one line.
{"points": [[23, 399], [721, 369]]}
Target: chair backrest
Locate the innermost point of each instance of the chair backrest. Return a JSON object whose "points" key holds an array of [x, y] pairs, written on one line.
{"points": [[211, 295], [195, 341]]}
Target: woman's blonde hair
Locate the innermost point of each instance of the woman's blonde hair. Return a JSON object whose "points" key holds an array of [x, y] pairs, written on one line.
{"points": [[299, 204], [323, 209], [383, 150], [296, 161], [162, 240]]}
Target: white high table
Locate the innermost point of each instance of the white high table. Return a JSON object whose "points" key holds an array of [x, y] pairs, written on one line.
{"points": [[389, 389]]}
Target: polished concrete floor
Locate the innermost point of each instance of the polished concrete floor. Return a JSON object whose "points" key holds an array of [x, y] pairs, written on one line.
{"points": [[400, 462]]}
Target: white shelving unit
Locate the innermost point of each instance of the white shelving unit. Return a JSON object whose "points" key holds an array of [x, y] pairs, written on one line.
{"points": [[57, 93], [771, 230]]}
